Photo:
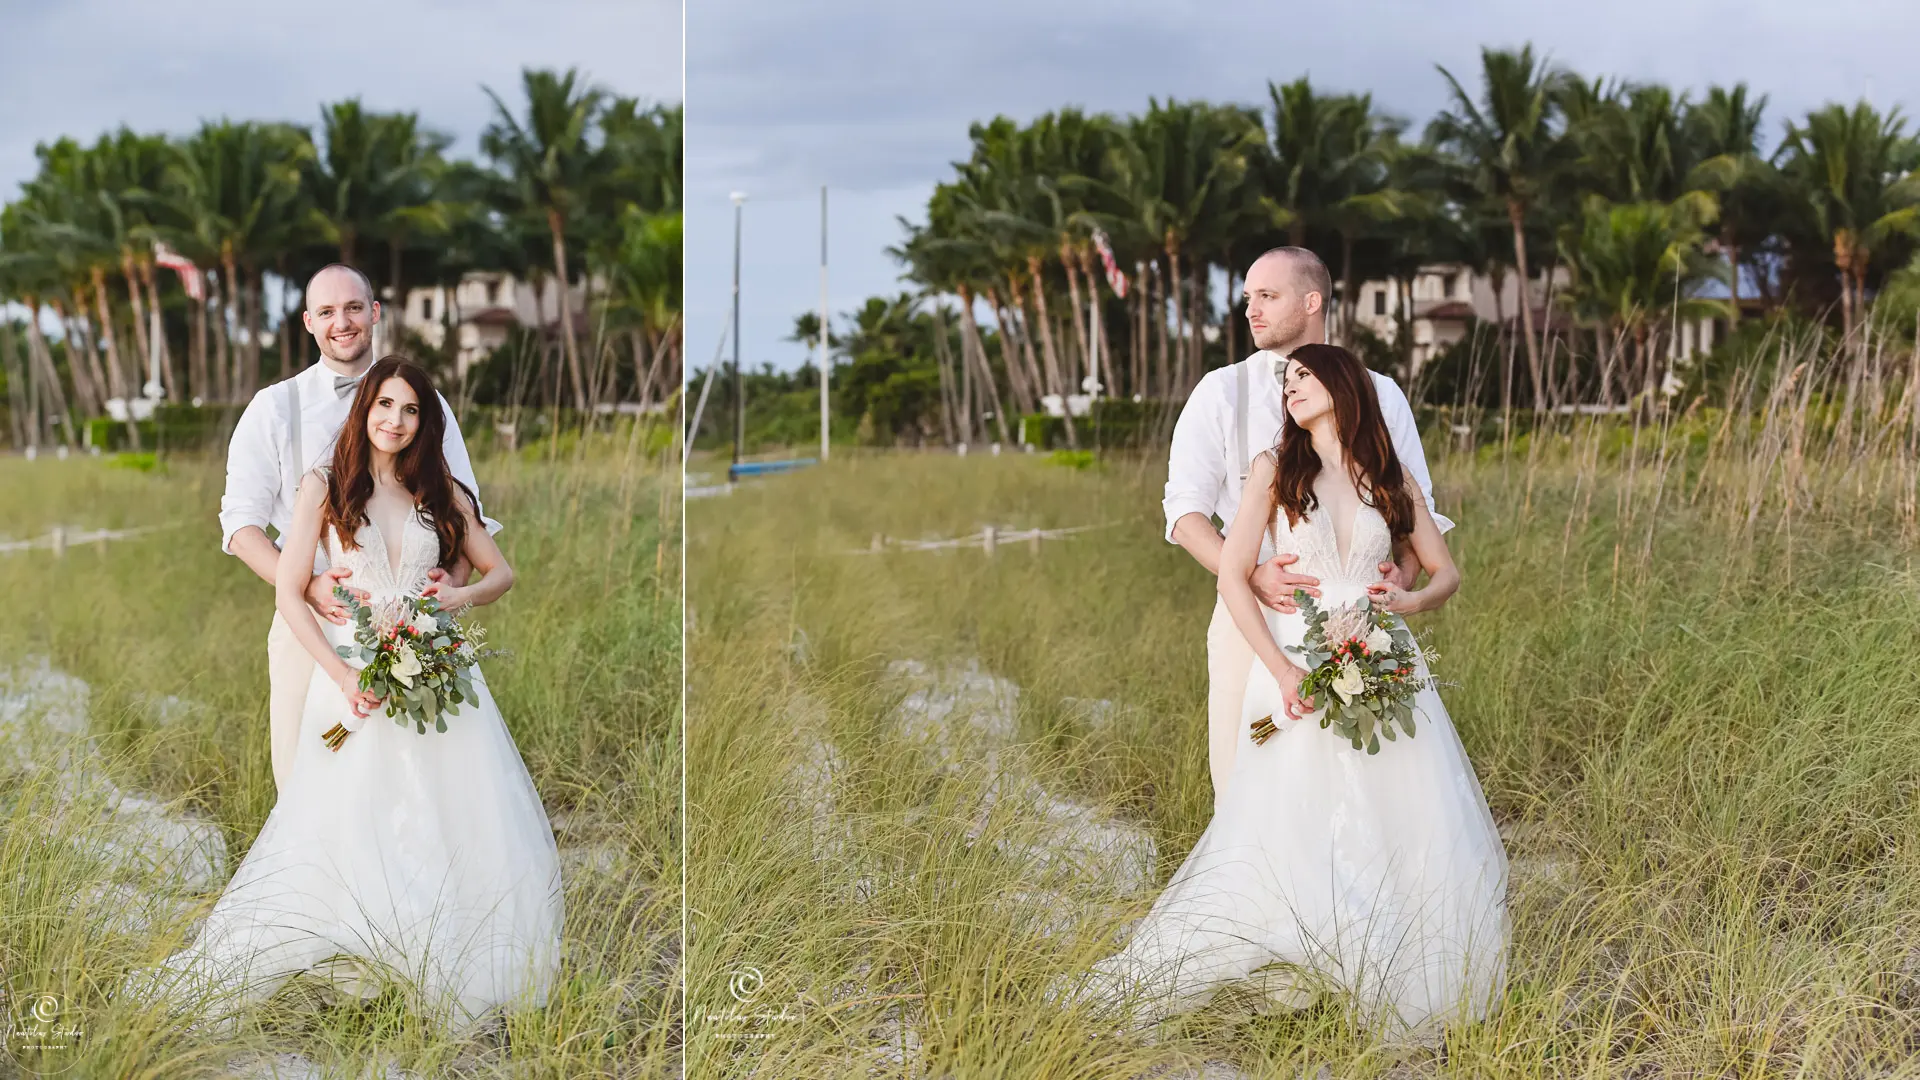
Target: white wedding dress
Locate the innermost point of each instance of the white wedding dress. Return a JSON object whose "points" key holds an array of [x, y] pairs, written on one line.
{"points": [[1380, 875], [427, 855]]}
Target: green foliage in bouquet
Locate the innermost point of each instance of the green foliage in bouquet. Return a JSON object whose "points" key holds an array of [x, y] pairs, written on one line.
{"points": [[418, 657], [1360, 671]]}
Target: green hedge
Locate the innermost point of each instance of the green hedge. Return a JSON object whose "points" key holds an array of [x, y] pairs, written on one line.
{"points": [[1114, 423], [173, 427]]}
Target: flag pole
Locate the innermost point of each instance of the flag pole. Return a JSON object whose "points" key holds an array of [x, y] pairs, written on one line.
{"points": [[739, 384], [825, 360]]}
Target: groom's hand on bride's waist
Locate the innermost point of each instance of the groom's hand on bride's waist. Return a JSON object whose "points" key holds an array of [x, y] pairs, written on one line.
{"points": [[1273, 583], [320, 594]]}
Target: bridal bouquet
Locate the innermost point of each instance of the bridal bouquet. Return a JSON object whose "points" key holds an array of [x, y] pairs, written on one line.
{"points": [[416, 657], [1360, 663]]}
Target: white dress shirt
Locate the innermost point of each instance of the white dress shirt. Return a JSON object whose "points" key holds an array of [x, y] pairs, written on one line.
{"points": [[257, 478], [1202, 476]]}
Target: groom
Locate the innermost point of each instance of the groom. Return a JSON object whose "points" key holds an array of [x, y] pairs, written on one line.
{"points": [[287, 429], [1232, 416]]}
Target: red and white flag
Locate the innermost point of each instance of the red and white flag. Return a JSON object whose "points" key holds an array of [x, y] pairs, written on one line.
{"points": [[190, 277], [1116, 280]]}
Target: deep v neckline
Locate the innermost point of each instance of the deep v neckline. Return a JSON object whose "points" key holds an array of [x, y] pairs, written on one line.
{"points": [[394, 564], [1353, 531]]}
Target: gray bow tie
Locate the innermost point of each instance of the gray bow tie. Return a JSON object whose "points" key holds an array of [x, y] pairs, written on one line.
{"points": [[344, 384]]}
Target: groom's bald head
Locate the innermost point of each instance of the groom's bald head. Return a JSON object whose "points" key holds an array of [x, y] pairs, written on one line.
{"points": [[1287, 291], [340, 314]]}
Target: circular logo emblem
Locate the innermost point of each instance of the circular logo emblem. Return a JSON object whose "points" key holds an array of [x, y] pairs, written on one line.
{"points": [[745, 983]]}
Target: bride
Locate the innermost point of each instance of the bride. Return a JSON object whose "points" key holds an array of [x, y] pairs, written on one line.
{"points": [[426, 856], [1378, 875]]}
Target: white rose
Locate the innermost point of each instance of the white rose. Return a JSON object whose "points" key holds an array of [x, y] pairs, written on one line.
{"points": [[1379, 641], [424, 625], [1350, 682], [405, 665]]}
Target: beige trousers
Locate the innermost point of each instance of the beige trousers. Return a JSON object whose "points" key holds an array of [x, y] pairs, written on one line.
{"points": [[1229, 660], [289, 671]]}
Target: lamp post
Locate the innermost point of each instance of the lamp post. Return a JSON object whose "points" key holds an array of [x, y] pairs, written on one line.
{"points": [[825, 364], [739, 384]]}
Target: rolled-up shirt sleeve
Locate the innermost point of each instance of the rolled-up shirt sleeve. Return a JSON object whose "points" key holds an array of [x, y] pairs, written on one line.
{"points": [[1405, 433], [253, 471], [1195, 469], [454, 447]]}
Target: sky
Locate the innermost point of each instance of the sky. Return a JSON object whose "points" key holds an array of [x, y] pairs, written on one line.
{"points": [[85, 67], [873, 99]]}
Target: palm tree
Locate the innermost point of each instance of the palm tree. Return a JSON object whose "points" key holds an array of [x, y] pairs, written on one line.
{"points": [[1635, 265], [1856, 167], [548, 158], [1509, 140], [376, 178], [1726, 131]]}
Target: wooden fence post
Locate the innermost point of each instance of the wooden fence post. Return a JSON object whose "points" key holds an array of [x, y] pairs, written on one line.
{"points": [[987, 538]]}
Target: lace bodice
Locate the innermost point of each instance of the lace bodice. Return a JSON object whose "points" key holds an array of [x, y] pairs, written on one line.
{"points": [[1314, 541], [419, 553]]}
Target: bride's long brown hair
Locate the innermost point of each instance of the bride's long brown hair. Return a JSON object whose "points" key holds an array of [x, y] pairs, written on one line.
{"points": [[1362, 428], [421, 467]]}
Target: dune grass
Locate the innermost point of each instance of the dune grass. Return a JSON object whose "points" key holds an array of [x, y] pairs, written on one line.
{"points": [[590, 693], [1683, 664]]}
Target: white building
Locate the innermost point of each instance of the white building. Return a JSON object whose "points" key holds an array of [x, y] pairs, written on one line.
{"points": [[1448, 297], [483, 309]]}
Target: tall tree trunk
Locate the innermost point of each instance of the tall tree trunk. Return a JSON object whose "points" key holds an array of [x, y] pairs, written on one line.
{"points": [[23, 426], [140, 339], [985, 373], [969, 418], [229, 327], [40, 353], [117, 375], [198, 369], [1054, 374], [255, 299], [1164, 378], [1842, 260], [1025, 395], [1023, 336], [108, 340], [1137, 332], [1183, 382], [943, 358], [86, 392], [554, 226], [1516, 216], [1200, 310], [1056, 378], [286, 319], [1079, 319]]}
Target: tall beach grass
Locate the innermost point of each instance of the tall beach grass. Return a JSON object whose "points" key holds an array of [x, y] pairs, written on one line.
{"points": [[1683, 663], [168, 636]]}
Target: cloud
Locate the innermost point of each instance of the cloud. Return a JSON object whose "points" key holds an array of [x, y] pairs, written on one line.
{"points": [[875, 99], [84, 67]]}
